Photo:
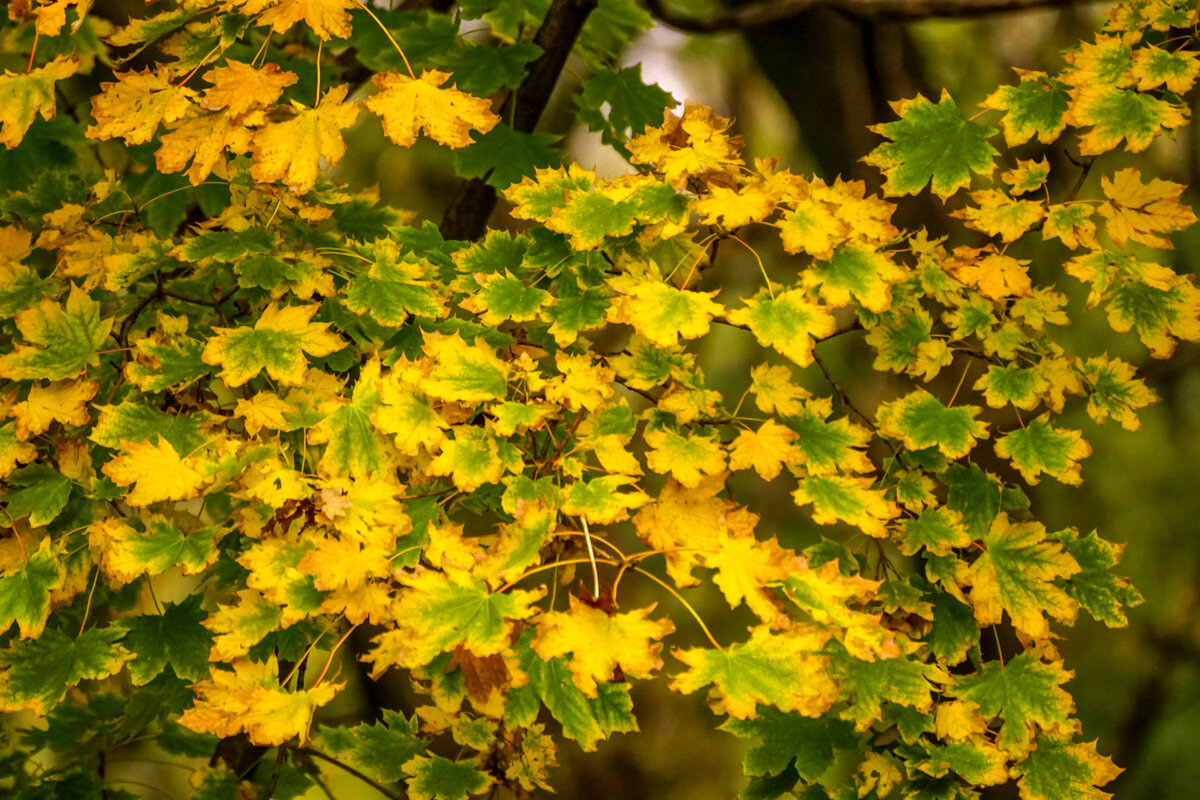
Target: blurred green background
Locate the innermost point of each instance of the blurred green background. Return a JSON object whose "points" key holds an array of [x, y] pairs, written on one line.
{"points": [[805, 90]]}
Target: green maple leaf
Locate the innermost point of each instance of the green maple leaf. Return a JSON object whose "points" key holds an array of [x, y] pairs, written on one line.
{"points": [[1103, 594], [63, 339], [1002, 385], [632, 105], [858, 272], [506, 297], [391, 293], [938, 530], [1040, 447], [1034, 107], [41, 494], [230, 246], [868, 685], [1025, 693], [439, 613], [20, 288], [438, 778], [789, 321], [503, 156], [38, 672], [133, 421], [920, 420], [979, 496], [481, 70], [352, 444], [174, 637], [781, 739], [897, 335], [782, 670], [425, 37], [586, 720], [1060, 770], [278, 343], [130, 552], [954, 630], [463, 372], [25, 592], [600, 499], [165, 366], [380, 749], [576, 308], [931, 142]]}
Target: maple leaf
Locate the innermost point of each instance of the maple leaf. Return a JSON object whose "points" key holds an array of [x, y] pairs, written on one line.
{"points": [[733, 208], [785, 670], [746, 567], [61, 401], [1016, 573], [1114, 392], [64, 339], [328, 19], [135, 105], [775, 390], [789, 322], [920, 420], [293, 151], [380, 749], [848, 499], [471, 458], [1035, 106], [829, 446], [868, 685], [1026, 693], [175, 637], [1105, 596], [464, 372], [997, 214], [39, 672], [439, 778], [250, 700], [599, 643], [662, 313], [600, 502], [23, 97], [126, 553], [766, 449], [695, 143], [352, 445], [446, 115], [1040, 447], [1115, 114], [1142, 211], [858, 272], [828, 596], [1058, 769], [938, 530], [438, 613], [931, 142], [1072, 223], [584, 383], [687, 458], [25, 592], [780, 740], [277, 342], [1154, 67], [977, 760], [996, 275], [1003, 385], [242, 624], [156, 472], [1027, 176]]}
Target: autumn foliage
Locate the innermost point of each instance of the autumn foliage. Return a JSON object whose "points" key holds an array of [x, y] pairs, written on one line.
{"points": [[340, 441]]}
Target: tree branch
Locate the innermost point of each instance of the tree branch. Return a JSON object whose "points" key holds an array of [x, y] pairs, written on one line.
{"points": [[467, 216], [766, 12]]}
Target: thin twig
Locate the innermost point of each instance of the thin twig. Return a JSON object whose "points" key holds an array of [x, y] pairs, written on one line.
{"points": [[349, 769]]}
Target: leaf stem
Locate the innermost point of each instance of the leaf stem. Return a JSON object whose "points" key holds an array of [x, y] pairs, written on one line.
{"points": [[686, 604], [388, 34], [308, 751]]}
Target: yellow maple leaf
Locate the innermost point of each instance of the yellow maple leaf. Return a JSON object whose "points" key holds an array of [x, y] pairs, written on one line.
{"points": [[292, 151], [447, 115], [813, 227], [328, 19], [584, 382], [404, 413], [1143, 211], [242, 624], [250, 700], [745, 566], [696, 143], [599, 643], [61, 401], [995, 275], [732, 208], [263, 410], [156, 472], [775, 390], [344, 563], [661, 312], [848, 499], [238, 87], [997, 214], [135, 105], [765, 450], [277, 342], [25, 96]]}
